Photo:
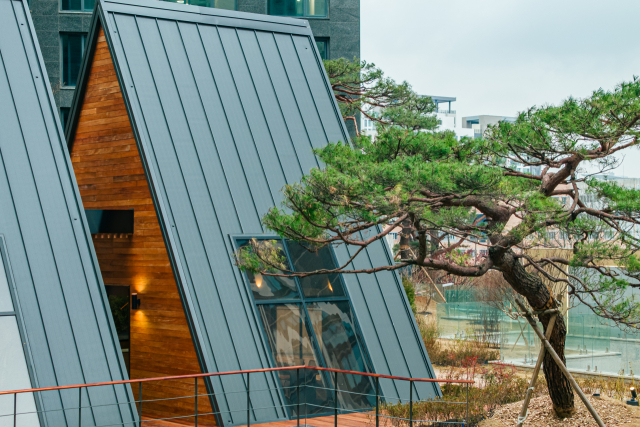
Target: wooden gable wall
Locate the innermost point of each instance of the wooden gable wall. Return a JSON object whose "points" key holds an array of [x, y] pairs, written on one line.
{"points": [[110, 175]]}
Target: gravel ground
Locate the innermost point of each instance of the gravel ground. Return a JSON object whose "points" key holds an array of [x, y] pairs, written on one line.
{"points": [[613, 413]]}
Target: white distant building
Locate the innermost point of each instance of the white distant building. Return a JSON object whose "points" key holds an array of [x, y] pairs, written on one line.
{"points": [[479, 124], [444, 112]]}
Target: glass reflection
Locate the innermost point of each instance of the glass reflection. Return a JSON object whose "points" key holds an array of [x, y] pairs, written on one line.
{"points": [[271, 287], [317, 8], [290, 346], [335, 332], [320, 285]]}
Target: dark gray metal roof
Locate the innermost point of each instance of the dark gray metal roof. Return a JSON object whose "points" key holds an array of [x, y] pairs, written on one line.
{"points": [[66, 323], [226, 108]]}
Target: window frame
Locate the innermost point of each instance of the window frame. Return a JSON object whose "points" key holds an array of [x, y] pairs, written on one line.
{"points": [[17, 313], [327, 48], [305, 8], [212, 7], [302, 301], [83, 10], [84, 52]]}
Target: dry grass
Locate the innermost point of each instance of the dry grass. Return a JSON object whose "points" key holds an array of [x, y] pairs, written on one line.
{"points": [[455, 352]]}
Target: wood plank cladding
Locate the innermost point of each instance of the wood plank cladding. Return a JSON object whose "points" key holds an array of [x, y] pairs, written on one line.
{"points": [[110, 176]]}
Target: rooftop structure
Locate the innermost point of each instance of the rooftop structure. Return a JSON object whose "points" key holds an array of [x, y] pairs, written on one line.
{"points": [[55, 326], [195, 118]]}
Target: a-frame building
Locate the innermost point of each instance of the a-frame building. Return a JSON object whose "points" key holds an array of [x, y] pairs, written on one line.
{"points": [[194, 119], [55, 322]]}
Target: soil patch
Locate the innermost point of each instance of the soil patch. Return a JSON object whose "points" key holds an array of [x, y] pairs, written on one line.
{"points": [[613, 413]]}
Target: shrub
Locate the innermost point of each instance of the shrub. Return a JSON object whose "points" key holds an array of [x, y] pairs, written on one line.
{"points": [[495, 386], [410, 291], [455, 352]]}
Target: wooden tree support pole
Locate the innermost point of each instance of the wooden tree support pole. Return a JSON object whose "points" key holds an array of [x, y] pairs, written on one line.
{"points": [[424, 270], [558, 361], [534, 377]]}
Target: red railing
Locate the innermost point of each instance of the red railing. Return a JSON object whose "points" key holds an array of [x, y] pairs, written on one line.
{"points": [[248, 371], [336, 408]]}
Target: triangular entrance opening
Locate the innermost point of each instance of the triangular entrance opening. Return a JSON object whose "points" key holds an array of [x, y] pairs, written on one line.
{"points": [[111, 176]]}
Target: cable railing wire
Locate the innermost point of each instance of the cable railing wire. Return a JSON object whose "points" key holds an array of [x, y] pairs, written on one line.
{"points": [[290, 409]]}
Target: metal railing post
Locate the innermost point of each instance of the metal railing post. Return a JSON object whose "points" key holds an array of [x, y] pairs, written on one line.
{"points": [[467, 420], [140, 404], [79, 406], [15, 409], [377, 401], [335, 400], [410, 403], [196, 403], [305, 400], [298, 395], [248, 402]]}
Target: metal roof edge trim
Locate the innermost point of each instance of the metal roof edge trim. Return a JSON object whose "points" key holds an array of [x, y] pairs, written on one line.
{"points": [[201, 10], [159, 205], [210, 20]]}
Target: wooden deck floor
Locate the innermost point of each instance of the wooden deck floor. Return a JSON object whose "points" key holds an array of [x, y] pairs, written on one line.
{"points": [[346, 420]]}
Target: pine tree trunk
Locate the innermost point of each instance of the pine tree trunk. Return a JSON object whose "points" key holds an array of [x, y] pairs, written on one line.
{"points": [[405, 239], [537, 294]]}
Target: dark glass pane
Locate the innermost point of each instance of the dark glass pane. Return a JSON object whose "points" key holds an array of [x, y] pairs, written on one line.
{"points": [[71, 5], [64, 115], [271, 287], [317, 8], [72, 51], [226, 4], [286, 7], [290, 345], [204, 3], [319, 285], [335, 331], [322, 48], [88, 5]]}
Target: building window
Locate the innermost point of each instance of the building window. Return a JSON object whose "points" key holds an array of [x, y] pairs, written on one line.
{"points": [[73, 46], [308, 8], [218, 4], [15, 374], [323, 47], [64, 116], [308, 321], [110, 221], [77, 5]]}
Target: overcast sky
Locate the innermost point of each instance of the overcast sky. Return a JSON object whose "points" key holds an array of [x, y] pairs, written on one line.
{"points": [[499, 57]]}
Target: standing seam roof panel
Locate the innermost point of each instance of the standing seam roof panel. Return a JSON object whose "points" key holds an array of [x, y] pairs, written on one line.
{"points": [[67, 324]]}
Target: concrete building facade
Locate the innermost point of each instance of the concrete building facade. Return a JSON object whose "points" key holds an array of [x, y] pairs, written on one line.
{"points": [[62, 25]]}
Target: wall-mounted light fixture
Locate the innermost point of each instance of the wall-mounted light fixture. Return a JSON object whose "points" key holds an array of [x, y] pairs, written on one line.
{"points": [[258, 279], [135, 301]]}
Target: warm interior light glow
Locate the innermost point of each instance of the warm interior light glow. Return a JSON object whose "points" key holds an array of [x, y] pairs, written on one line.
{"points": [[258, 279], [329, 284]]}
